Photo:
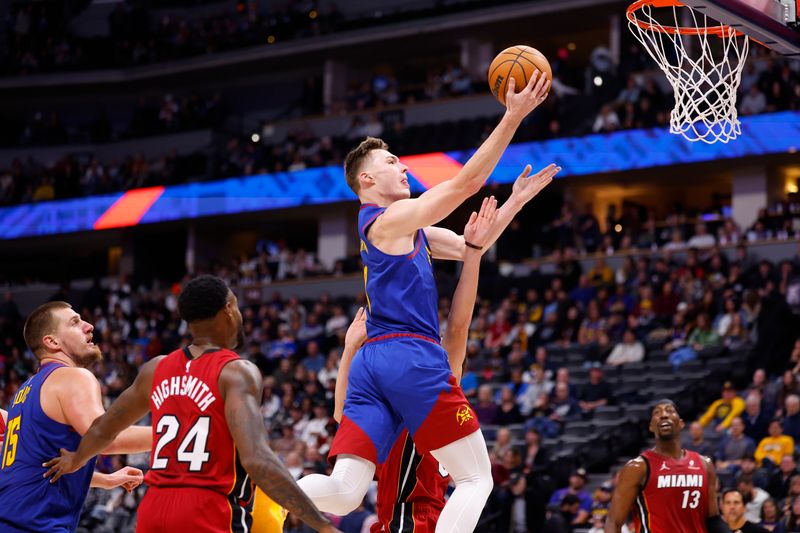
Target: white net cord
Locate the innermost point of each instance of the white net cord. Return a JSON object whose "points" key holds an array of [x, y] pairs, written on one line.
{"points": [[705, 78]]}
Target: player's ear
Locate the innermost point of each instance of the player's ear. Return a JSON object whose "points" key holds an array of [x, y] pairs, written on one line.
{"points": [[365, 178], [50, 342], [681, 424]]}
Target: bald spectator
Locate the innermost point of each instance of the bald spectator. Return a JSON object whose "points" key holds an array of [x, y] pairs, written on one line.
{"points": [[756, 419], [791, 420], [735, 446], [779, 481], [720, 413], [695, 440]]}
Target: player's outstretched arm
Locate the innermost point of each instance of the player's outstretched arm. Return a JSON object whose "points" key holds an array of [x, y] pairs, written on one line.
{"points": [[406, 216], [476, 232], [241, 387], [445, 244], [127, 477], [353, 339], [630, 482], [110, 432]]}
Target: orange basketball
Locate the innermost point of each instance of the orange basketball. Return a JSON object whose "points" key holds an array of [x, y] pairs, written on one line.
{"points": [[518, 61]]}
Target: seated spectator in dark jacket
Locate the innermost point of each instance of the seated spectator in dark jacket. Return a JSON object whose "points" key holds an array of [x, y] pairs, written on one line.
{"points": [[791, 419], [486, 409], [508, 412], [564, 406], [756, 420], [779, 481], [734, 447], [595, 393], [577, 481]]}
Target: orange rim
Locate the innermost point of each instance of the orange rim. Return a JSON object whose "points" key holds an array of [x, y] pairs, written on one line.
{"points": [[722, 30]]}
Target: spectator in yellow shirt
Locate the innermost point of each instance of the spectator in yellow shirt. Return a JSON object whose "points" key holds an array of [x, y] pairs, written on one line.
{"points": [[774, 446], [722, 411]]}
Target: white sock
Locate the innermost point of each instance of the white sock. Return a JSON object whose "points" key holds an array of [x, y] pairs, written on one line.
{"points": [[467, 461], [342, 491]]}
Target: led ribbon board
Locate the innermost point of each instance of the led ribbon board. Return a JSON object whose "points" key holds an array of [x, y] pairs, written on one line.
{"points": [[578, 156]]}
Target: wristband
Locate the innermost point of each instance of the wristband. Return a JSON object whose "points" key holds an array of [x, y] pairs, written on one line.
{"points": [[474, 247]]}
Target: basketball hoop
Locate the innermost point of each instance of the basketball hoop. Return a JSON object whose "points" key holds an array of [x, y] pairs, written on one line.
{"points": [[703, 63]]}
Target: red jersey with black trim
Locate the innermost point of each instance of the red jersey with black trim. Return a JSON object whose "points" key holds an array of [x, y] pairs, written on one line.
{"points": [[2, 429], [192, 446], [675, 495], [411, 490]]}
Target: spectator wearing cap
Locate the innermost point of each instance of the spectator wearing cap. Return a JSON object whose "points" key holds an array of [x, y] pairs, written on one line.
{"points": [[754, 497], [774, 446], [595, 393], [601, 501], [720, 413], [630, 350], [577, 481], [562, 514], [734, 447]]}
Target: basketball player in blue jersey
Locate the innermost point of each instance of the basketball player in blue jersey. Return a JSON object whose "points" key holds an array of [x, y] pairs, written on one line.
{"points": [[51, 411], [401, 378]]}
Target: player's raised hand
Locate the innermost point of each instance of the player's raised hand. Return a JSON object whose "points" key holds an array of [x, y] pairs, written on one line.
{"points": [[479, 227], [357, 332], [526, 187], [127, 477], [518, 105], [66, 463]]}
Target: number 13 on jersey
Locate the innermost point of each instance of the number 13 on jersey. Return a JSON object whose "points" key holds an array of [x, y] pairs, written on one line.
{"points": [[691, 499]]}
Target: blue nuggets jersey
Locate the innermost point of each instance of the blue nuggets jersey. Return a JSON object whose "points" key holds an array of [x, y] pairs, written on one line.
{"points": [[28, 502], [401, 290]]}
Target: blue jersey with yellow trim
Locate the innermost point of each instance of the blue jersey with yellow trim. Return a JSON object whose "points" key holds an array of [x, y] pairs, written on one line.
{"points": [[29, 501], [401, 290]]}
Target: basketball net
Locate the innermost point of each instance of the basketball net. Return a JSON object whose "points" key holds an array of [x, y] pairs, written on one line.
{"points": [[703, 63]]}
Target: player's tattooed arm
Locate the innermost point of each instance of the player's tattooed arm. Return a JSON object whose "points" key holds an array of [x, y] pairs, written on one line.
{"points": [[241, 387], [630, 483]]}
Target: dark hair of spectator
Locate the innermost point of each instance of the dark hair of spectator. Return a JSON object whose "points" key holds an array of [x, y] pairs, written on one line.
{"points": [[728, 491]]}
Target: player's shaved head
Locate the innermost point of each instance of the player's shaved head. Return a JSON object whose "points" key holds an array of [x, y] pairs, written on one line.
{"points": [[202, 298], [663, 401], [356, 157]]}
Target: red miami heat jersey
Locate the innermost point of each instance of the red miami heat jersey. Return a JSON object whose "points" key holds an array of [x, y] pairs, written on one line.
{"points": [[675, 495], [411, 489], [2, 429], [192, 446]]}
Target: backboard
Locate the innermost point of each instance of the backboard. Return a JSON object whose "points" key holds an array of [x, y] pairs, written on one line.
{"points": [[773, 23]]}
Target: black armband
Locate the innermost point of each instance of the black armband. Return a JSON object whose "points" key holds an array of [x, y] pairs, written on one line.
{"points": [[715, 524]]}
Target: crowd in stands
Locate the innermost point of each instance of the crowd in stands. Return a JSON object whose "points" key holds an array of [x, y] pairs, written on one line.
{"points": [[377, 109], [694, 305]]}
